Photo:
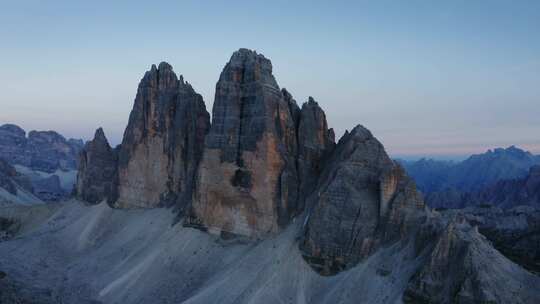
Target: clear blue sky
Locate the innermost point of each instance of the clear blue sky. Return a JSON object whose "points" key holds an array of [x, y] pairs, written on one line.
{"points": [[427, 77]]}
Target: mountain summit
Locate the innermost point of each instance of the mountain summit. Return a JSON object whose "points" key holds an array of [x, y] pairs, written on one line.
{"points": [[283, 213]]}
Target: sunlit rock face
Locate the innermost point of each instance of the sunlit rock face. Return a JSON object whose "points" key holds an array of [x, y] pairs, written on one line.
{"points": [[97, 176], [363, 200], [247, 182], [163, 142]]}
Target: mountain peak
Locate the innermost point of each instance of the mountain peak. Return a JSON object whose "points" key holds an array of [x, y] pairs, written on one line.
{"points": [[248, 66], [99, 136], [14, 129]]}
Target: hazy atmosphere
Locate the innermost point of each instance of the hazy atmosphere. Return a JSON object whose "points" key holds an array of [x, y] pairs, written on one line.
{"points": [[428, 79]]}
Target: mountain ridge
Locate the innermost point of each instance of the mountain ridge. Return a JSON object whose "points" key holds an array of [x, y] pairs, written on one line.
{"points": [[283, 213]]}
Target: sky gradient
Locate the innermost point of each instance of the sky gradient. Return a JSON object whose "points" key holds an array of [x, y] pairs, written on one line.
{"points": [[428, 78]]}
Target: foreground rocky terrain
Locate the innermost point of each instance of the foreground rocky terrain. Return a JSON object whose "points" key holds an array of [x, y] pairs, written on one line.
{"points": [[514, 232], [95, 254], [265, 208]]}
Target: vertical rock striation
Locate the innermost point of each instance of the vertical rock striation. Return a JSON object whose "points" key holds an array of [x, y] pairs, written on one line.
{"points": [[162, 143], [247, 183], [461, 266], [363, 199], [97, 176], [315, 143]]}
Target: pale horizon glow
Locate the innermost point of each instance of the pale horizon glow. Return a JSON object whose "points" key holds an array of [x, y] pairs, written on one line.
{"points": [[435, 79]]}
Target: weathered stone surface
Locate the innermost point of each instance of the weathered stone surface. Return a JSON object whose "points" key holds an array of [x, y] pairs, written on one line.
{"points": [[10, 179], [162, 143], [49, 189], [7, 173], [363, 200], [97, 179], [514, 232], [13, 145], [462, 267], [247, 183], [315, 143], [45, 151]]}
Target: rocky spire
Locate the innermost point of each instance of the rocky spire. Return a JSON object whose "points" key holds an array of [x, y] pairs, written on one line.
{"points": [[362, 200], [315, 143], [247, 179], [97, 176], [162, 143]]}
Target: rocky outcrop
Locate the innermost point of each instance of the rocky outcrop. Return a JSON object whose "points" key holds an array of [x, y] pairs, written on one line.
{"points": [[462, 267], [247, 183], [11, 180], [363, 200], [97, 179], [162, 143], [315, 144], [15, 187], [49, 189], [45, 151], [513, 232], [13, 145]]}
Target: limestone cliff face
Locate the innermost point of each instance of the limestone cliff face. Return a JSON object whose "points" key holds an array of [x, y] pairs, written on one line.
{"points": [[247, 182], [460, 266], [162, 143], [97, 177], [363, 199], [315, 144]]}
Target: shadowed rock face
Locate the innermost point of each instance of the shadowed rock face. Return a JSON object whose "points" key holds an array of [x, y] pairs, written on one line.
{"points": [[363, 200], [247, 180], [49, 189], [97, 176], [162, 143], [7, 173], [460, 266], [315, 144], [514, 232], [10, 179]]}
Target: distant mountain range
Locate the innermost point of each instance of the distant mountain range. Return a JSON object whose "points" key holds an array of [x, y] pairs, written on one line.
{"points": [[46, 159], [502, 177], [45, 151]]}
